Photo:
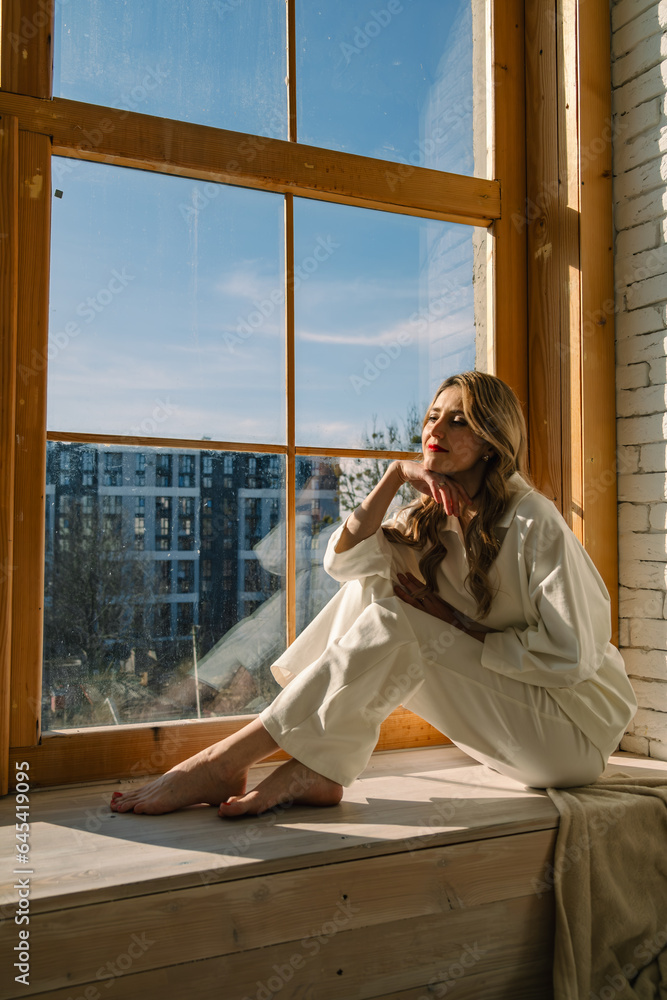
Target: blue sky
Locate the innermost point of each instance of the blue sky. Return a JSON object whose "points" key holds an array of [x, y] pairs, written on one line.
{"points": [[167, 291]]}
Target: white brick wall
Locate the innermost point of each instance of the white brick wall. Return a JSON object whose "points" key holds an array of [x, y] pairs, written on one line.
{"points": [[639, 104]]}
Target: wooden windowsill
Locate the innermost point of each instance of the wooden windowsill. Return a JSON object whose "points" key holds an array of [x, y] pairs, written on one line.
{"points": [[426, 842]]}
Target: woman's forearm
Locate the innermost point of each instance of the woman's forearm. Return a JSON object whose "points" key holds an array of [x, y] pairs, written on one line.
{"points": [[367, 518]]}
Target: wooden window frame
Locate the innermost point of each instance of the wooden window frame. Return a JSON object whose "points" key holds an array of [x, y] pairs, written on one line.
{"points": [[539, 299]]}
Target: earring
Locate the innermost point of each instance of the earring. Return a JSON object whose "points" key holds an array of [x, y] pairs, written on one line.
{"points": [[485, 458]]}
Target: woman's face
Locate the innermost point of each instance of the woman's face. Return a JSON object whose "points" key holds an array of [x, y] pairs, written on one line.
{"points": [[448, 444]]}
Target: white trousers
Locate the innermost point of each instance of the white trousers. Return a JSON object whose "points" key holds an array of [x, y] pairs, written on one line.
{"points": [[368, 652]]}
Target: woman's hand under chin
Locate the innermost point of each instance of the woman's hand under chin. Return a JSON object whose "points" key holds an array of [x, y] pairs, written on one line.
{"points": [[441, 488]]}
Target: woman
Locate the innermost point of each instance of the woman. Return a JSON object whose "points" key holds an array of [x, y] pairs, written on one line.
{"points": [[476, 607]]}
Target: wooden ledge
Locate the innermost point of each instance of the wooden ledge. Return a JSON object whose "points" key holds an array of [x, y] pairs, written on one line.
{"points": [[405, 800], [429, 853]]}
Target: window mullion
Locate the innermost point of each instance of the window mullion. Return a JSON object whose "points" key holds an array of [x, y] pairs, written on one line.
{"points": [[291, 69], [290, 484]]}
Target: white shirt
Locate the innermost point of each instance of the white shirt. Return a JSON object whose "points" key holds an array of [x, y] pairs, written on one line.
{"points": [[551, 609]]}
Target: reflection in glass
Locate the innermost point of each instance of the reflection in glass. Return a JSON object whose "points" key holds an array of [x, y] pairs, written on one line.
{"points": [[331, 489], [214, 62], [141, 578], [166, 307], [381, 320], [394, 82]]}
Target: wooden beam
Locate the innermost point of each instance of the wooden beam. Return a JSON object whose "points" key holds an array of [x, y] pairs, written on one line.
{"points": [[290, 13], [28, 597], [509, 254], [129, 139], [600, 527], [9, 229], [27, 47], [104, 753], [569, 265], [290, 424], [543, 261], [127, 440]]}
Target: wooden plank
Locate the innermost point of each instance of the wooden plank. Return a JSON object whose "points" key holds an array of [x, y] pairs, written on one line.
{"points": [[130, 139], [335, 961], [290, 13], [290, 419], [509, 254], [597, 299], [9, 228], [203, 922], [542, 225], [27, 47], [28, 598], [569, 264], [98, 754], [408, 801], [530, 981], [126, 440]]}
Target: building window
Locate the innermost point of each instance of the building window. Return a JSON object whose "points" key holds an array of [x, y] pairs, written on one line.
{"points": [[184, 618], [186, 471], [162, 523], [88, 467], [207, 472], [112, 509], [186, 520], [163, 576], [186, 576], [140, 469], [162, 620], [113, 468], [139, 522], [64, 476], [253, 521], [163, 470]]}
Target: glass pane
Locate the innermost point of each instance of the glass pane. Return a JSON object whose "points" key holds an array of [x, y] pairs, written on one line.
{"points": [[395, 81], [166, 311], [384, 312], [328, 489], [153, 557], [214, 62]]}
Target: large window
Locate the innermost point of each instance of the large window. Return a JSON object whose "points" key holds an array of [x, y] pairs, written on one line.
{"points": [[259, 272]]}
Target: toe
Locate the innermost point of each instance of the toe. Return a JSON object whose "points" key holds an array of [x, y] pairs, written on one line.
{"points": [[240, 805]]}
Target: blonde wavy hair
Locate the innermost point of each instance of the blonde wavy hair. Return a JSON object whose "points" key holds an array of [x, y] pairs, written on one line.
{"points": [[493, 413]]}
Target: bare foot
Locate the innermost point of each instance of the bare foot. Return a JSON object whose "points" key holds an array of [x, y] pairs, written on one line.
{"points": [[202, 778], [290, 784]]}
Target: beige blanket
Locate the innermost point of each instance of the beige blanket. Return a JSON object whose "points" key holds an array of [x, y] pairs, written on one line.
{"points": [[610, 881]]}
